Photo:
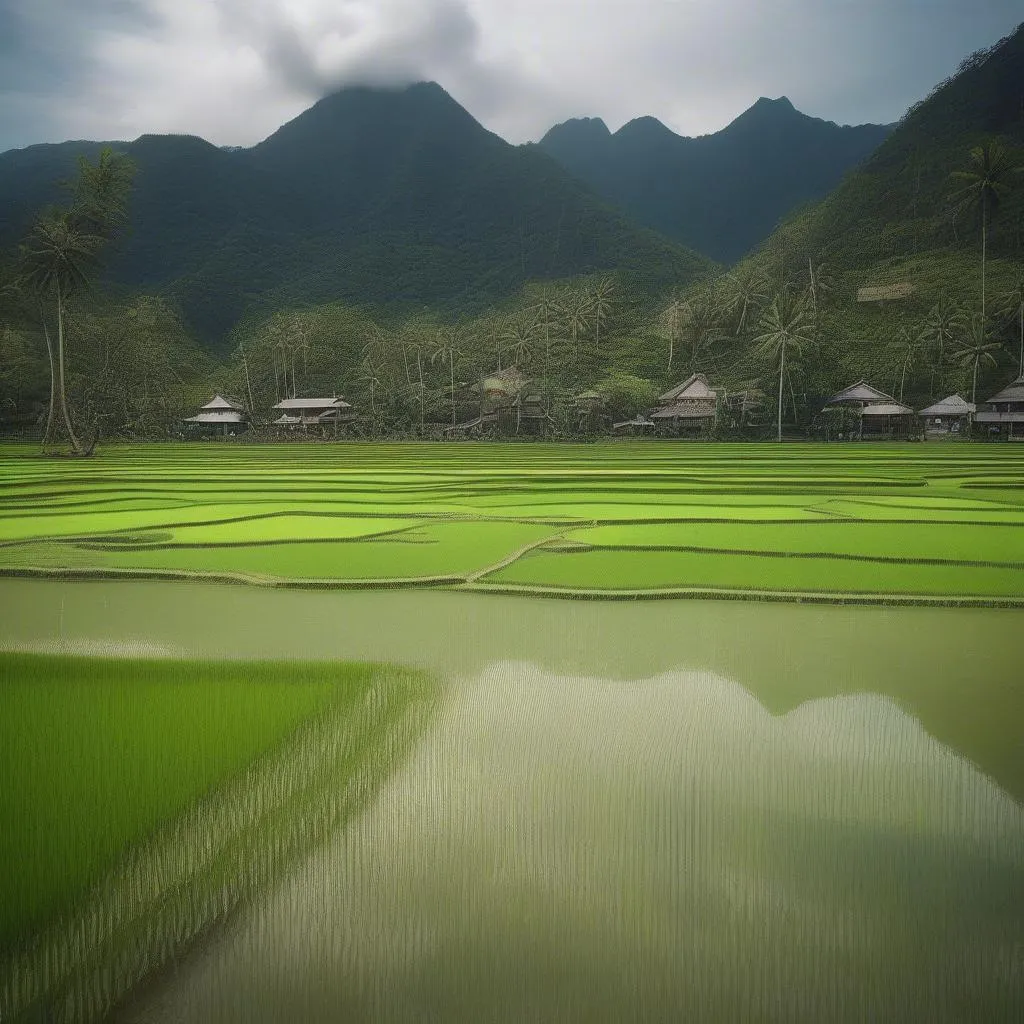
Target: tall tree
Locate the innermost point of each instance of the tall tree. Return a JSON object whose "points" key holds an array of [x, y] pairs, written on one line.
{"points": [[670, 321], [975, 347], [1011, 305], [746, 293], [601, 306], [61, 255], [58, 260], [786, 325], [939, 327], [447, 346], [982, 186]]}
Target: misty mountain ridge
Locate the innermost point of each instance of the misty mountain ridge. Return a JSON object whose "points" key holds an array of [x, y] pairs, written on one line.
{"points": [[721, 193], [392, 198]]}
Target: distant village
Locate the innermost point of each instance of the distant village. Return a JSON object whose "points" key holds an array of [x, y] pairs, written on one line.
{"points": [[505, 406]]}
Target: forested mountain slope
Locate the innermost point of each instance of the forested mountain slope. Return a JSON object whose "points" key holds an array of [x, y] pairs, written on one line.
{"points": [[720, 194], [385, 198]]}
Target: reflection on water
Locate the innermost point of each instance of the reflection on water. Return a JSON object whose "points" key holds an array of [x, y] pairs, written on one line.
{"points": [[576, 848]]}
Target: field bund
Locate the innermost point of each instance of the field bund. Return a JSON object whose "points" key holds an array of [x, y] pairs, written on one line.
{"points": [[885, 523]]}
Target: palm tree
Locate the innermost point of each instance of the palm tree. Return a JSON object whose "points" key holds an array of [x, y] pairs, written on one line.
{"points": [[521, 333], [575, 310], [448, 348], [785, 324], [601, 306], [939, 327], [909, 343], [57, 260], [101, 192], [975, 348], [745, 295], [701, 322], [1011, 305], [671, 320], [983, 185]]}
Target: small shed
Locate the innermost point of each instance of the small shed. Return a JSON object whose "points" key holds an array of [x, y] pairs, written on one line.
{"points": [[1003, 413], [950, 417], [689, 407], [635, 427], [220, 415]]}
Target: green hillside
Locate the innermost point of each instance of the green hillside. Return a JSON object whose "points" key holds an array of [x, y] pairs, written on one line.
{"points": [[382, 198]]}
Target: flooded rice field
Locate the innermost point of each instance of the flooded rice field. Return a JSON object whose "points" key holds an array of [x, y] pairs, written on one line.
{"points": [[639, 810]]}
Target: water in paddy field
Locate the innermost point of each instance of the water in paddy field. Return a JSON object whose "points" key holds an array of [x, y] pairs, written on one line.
{"points": [[639, 811]]}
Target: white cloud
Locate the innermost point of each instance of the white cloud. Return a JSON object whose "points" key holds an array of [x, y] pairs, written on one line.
{"points": [[234, 70]]}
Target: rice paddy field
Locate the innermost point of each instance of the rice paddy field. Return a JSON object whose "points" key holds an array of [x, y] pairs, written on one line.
{"points": [[858, 522], [299, 733]]}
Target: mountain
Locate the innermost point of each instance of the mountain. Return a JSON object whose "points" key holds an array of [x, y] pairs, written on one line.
{"points": [[719, 194], [892, 228], [391, 198]]}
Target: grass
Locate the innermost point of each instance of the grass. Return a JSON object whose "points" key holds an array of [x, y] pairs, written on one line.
{"points": [[96, 752], [458, 514], [145, 800]]}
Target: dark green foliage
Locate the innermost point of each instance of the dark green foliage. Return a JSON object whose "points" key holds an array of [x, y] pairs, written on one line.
{"points": [[376, 197], [720, 194]]}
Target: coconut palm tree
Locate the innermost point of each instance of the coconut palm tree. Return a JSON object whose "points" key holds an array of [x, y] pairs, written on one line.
{"points": [[447, 347], [746, 293], [1011, 305], [939, 327], [909, 345], [975, 348], [58, 260], [701, 322], [575, 312], [601, 306], [521, 333], [982, 185], [785, 324]]}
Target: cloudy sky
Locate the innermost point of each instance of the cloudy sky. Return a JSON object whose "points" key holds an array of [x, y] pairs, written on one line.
{"points": [[234, 70]]}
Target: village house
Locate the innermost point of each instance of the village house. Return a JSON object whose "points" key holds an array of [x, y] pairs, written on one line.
{"points": [[1003, 414], [505, 406], [319, 413], [950, 417], [220, 415], [688, 408], [873, 413]]}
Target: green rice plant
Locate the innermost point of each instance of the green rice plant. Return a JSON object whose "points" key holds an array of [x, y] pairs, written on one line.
{"points": [[185, 865]]}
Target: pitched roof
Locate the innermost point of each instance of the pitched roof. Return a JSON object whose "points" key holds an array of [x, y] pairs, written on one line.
{"points": [[217, 416], [589, 396], [951, 405], [695, 386], [312, 403], [1013, 392], [220, 402], [862, 391], [886, 409], [509, 381], [684, 411], [636, 421]]}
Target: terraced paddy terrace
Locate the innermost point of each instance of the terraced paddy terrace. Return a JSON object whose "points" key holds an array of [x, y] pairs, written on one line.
{"points": [[316, 732], [810, 522]]}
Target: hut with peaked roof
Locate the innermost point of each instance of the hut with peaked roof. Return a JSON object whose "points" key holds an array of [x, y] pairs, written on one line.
{"points": [[319, 413], [877, 414], [506, 406], [1003, 413], [951, 417], [688, 408], [221, 416]]}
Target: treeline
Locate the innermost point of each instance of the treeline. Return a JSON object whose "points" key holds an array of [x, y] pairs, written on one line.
{"points": [[783, 329]]}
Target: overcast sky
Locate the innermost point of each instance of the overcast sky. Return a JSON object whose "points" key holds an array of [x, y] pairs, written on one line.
{"points": [[232, 71]]}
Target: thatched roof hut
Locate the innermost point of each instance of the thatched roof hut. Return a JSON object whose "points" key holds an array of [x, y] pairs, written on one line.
{"points": [[1005, 409], [220, 411]]}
